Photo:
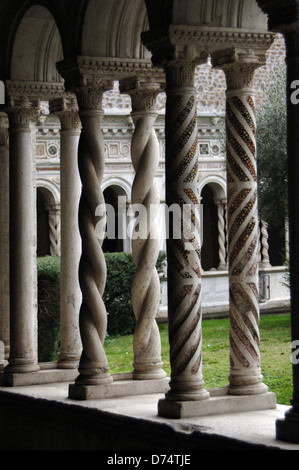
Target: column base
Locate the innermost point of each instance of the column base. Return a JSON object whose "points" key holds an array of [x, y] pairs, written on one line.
{"points": [[247, 389], [122, 385], [148, 371], [287, 429], [218, 403]]}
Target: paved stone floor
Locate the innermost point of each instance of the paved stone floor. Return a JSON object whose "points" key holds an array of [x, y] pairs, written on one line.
{"points": [[255, 427]]}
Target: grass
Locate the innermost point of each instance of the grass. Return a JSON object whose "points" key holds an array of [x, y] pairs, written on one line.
{"points": [[275, 353]]}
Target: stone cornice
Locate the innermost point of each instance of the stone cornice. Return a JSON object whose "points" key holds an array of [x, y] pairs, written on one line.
{"points": [[34, 90], [174, 41], [88, 71]]}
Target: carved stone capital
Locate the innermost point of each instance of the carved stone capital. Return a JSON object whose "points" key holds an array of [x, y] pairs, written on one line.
{"points": [[143, 92], [239, 66], [22, 112], [67, 111]]}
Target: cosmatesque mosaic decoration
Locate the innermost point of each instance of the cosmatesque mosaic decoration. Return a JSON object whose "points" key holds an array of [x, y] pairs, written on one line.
{"points": [[243, 232], [184, 270]]}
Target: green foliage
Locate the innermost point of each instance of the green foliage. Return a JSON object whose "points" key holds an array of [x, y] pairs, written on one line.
{"points": [[272, 152], [48, 274], [275, 354], [117, 297]]}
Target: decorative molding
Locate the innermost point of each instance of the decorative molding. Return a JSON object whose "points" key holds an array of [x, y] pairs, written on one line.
{"points": [[143, 92], [67, 111], [21, 113], [34, 90], [87, 71], [183, 42]]}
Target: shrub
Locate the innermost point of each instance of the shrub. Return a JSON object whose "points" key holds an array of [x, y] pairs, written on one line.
{"points": [[117, 297], [48, 274]]}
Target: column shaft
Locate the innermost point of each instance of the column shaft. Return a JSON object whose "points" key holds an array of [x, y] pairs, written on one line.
{"points": [[288, 429], [4, 239], [145, 242], [22, 351], [183, 252], [243, 231], [70, 246], [93, 366]]}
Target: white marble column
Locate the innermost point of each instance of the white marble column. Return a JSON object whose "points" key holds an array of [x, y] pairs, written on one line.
{"points": [[22, 357], [221, 233], [70, 247], [265, 260], [145, 242], [54, 218], [4, 240], [93, 365], [243, 226]]}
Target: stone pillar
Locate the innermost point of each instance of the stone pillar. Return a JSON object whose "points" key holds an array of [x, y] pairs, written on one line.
{"points": [[145, 240], [70, 252], [22, 357], [183, 243], [221, 233], [243, 223], [54, 228], [288, 429], [93, 365], [265, 260], [4, 240]]}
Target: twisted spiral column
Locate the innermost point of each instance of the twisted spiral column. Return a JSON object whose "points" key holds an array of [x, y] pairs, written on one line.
{"points": [[184, 257], [93, 365], [265, 261], [54, 226], [243, 231], [145, 242], [221, 234]]}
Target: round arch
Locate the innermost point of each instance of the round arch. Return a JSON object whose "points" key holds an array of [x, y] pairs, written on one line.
{"points": [[213, 202], [217, 183], [124, 187], [117, 203], [37, 47], [48, 218], [122, 22]]}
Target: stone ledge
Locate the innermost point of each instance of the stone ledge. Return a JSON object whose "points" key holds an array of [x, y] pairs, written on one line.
{"points": [[122, 385], [216, 405], [41, 377]]}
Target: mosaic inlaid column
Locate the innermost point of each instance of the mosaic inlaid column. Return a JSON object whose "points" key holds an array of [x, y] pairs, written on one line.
{"points": [[4, 240], [93, 365], [145, 240], [183, 243], [70, 191], [22, 357], [243, 229]]}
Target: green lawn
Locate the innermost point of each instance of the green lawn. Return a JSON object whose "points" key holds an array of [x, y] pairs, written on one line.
{"points": [[275, 354]]}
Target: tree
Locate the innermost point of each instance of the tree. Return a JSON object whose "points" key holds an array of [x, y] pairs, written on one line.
{"points": [[272, 152]]}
